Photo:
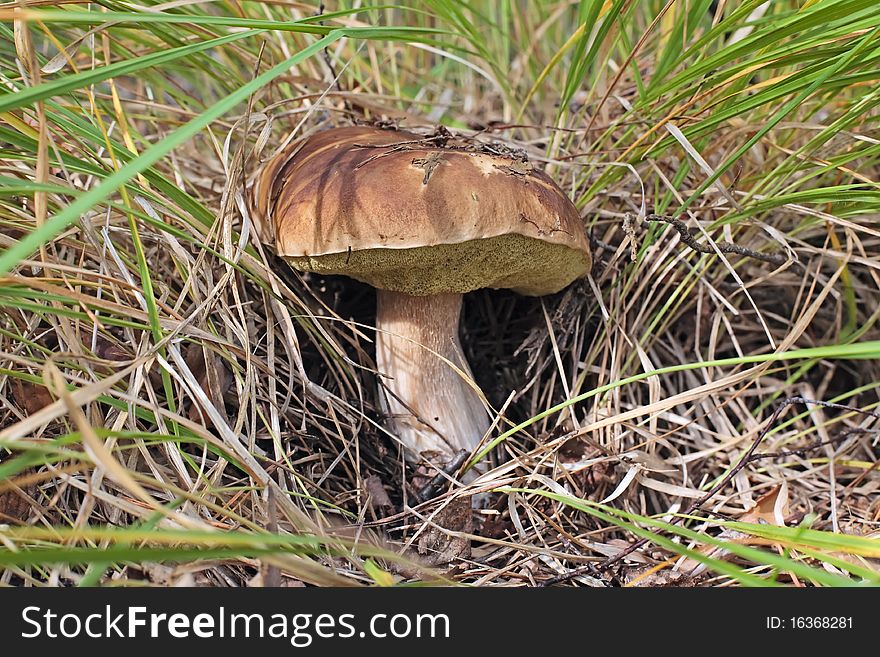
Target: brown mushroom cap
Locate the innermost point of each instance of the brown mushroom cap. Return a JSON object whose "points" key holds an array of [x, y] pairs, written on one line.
{"points": [[390, 209]]}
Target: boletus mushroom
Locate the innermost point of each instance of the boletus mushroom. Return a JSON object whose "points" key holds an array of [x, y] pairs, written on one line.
{"points": [[423, 224]]}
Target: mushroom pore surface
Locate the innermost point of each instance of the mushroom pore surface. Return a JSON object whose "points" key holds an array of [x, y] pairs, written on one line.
{"points": [[523, 264]]}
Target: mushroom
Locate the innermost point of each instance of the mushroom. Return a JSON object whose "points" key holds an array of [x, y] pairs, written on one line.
{"points": [[423, 224]]}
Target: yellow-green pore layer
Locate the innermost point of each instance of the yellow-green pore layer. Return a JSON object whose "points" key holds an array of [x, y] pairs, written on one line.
{"points": [[523, 264]]}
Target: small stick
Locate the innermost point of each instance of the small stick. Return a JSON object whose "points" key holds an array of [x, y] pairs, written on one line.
{"points": [[803, 451], [724, 247], [430, 489]]}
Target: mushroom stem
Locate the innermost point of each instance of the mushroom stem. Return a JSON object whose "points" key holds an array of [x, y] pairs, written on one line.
{"points": [[433, 409]]}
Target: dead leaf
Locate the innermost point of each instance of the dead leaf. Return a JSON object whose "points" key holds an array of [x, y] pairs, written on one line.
{"points": [[574, 450], [770, 509], [106, 349], [377, 496], [30, 397], [496, 527], [198, 365], [16, 495], [437, 547]]}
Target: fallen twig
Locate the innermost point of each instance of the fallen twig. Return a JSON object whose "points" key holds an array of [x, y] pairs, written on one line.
{"points": [[688, 237]]}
